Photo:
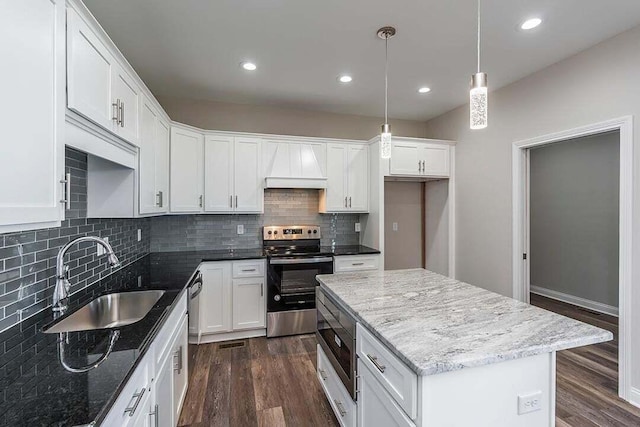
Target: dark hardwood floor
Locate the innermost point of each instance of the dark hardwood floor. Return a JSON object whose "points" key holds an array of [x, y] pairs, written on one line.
{"points": [[587, 377], [266, 383], [272, 383]]}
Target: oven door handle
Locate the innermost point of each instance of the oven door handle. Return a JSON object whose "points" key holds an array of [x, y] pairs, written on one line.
{"points": [[285, 261]]}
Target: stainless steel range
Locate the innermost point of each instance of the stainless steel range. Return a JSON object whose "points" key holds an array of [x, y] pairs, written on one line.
{"points": [[294, 258]]}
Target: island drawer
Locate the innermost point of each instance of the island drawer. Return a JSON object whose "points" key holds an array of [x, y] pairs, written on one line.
{"points": [[253, 268], [343, 406], [396, 377], [343, 264]]}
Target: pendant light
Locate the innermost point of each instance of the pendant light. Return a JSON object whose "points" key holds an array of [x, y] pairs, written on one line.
{"points": [[386, 33], [478, 93]]}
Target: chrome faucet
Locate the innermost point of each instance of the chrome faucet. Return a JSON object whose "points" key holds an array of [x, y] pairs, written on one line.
{"points": [[61, 291]]}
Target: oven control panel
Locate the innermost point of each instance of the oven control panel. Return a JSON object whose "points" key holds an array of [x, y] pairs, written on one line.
{"points": [[291, 232]]}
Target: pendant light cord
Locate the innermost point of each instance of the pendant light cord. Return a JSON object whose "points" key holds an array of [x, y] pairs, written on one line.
{"points": [[386, 73], [478, 36]]}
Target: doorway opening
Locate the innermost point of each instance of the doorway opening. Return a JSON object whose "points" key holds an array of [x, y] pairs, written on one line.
{"points": [[572, 242]]}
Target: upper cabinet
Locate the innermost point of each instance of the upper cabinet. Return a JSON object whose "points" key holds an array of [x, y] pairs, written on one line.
{"points": [[186, 171], [233, 174], [415, 158], [153, 161], [347, 179], [98, 86], [32, 42]]}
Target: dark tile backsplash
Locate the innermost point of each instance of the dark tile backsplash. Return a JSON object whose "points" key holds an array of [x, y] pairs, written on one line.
{"points": [[281, 207], [27, 259]]}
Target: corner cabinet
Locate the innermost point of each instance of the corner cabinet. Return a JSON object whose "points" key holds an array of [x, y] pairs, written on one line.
{"points": [[153, 160], [186, 173], [32, 40], [347, 179], [232, 303], [416, 158], [233, 174]]}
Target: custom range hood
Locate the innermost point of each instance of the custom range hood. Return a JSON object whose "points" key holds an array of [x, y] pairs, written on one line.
{"points": [[296, 165]]}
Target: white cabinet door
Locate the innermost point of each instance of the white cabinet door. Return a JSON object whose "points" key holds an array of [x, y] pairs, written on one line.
{"points": [[335, 196], [32, 42], [376, 408], [147, 159], [218, 173], [247, 165], [358, 177], [164, 394], [89, 73], [406, 158], [180, 368], [186, 170], [436, 159], [126, 95], [215, 298], [248, 304], [163, 135]]}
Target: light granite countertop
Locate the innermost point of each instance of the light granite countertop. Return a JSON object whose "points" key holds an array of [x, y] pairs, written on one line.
{"points": [[436, 324]]}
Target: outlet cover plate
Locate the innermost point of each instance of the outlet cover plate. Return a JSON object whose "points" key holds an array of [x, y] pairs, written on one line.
{"points": [[240, 229], [529, 403]]}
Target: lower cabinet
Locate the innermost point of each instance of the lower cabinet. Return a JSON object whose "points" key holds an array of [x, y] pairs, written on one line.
{"points": [[346, 263], [376, 408], [232, 303], [339, 398], [154, 393]]}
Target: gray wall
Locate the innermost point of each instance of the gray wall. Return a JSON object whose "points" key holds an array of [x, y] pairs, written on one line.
{"points": [[281, 207], [403, 204], [282, 121], [575, 217], [27, 259], [598, 84]]}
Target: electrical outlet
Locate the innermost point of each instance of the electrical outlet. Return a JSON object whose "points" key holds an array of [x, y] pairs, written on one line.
{"points": [[240, 229], [139, 235], [395, 226], [357, 227], [100, 251], [529, 403]]}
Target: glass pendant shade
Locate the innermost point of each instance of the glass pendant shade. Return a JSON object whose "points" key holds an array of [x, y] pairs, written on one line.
{"points": [[385, 142], [478, 97]]}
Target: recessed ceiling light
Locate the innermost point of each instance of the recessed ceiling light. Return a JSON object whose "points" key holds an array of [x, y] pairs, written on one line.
{"points": [[530, 24], [249, 66], [424, 90], [345, 79]]}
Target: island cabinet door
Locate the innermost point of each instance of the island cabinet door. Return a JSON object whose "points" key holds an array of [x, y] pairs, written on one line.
{"points": [[376, 408]]}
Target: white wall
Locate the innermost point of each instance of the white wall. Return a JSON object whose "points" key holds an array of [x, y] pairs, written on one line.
{"points": [[574, 205], [598, 84]]}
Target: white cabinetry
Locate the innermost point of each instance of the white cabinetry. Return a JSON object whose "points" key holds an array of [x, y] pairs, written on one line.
{"points": [[356, 263], [415, 158], [32, 41], [347, 179], [153, 160], [233, 174], [232, 303], [339, 398], [97, 86], [186, 170]]}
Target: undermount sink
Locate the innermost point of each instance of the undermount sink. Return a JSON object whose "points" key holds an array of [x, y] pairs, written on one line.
{"points": [[108, 311]]}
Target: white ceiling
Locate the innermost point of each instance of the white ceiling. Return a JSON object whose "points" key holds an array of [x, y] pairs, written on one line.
{"points": [[193, 48]]}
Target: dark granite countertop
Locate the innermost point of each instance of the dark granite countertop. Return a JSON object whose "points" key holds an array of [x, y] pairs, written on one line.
{"points": [[340, 250], [38, 391]]}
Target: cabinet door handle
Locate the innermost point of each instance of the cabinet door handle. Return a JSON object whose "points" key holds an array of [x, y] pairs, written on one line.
{"points": [[177, 365], [323, 374], [122, 114], [236, 202], [419, 166], [341, 409], [115, 111], [138, 397], [377, 364], [345, 202], [230, 201], [159, 201], [154, 413], [67, 191], [424, 168], [349, 201], [200, 200]]}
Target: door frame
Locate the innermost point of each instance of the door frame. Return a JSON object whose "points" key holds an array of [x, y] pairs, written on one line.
{"points": [[521, 283]]}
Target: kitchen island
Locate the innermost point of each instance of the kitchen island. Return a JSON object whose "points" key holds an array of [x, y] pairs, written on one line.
{"points": [[435, 351]]}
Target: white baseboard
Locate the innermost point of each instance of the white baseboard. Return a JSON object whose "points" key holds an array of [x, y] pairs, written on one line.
{"points": [[634, 397], [580, 302], [228, 336]]}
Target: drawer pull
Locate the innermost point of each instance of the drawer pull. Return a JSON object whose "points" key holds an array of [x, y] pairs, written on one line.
{"points": [[248, 270], [323, 374], [177, 364], [377, 364], [340, 406], [138, 396], [357, 263]]}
